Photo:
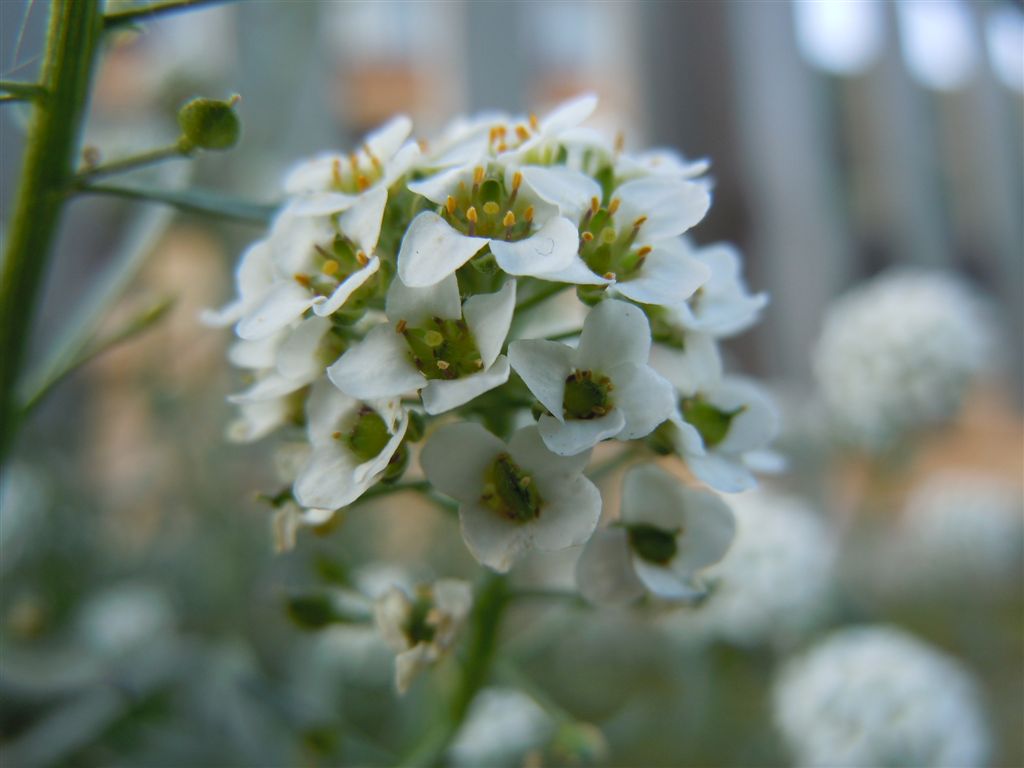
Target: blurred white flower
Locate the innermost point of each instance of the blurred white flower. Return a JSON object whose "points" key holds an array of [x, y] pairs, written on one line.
{"points": [[875, 695], [502, 726], [898, 353], [434, 342], [602, 388], [960, 531], [774, 583], [422, 628], [512, 498], [722, 306], [126, 617], [666, 536]]}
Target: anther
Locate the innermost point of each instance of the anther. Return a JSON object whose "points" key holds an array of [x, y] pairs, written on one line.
{"points": [[522, 132], [528, 214], [449, 205], [373, 158], [644, 251], [609, 275], [613, 206], [534, 122], [362, 258], [587, 236], [336, 171], [471, 214], [331, 267], [362, 182], [639, 222], [509, 220], [400, 326], [303, 280], [336, 435], [478, 175], [517, 179]]}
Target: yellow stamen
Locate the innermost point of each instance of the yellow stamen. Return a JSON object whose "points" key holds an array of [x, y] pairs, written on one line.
{"points": [[534, 122], [639, 222], [620, 141], [362, 182], [478, 175], [361, 258], [528, 214], [609, 275], [522, 132], [613, 206], [449, 205], [644, 251], [517, 179], [442, 365], [336, 435], [331, 267], [373, 158], [302, 280], [336, 171], [595, 205], [587, 236], [509, 220], [400, 326], [471, 213]]}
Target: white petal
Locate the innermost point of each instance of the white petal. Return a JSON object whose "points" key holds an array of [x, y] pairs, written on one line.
{"points": [[528, 451], [569, 114], [671, 206], [568, 190], [312, 175], [370, 471], [438, 187], [576, 435], [326, 408], [686, 438], [417, 305], [321, 203], [431, 250], [721, 472], [408, 664], [385, 140], [569, 514], [399, 165], [361, 222], [614, 333], [544, 366], [258, 419], [644, 397], [489, 316], [442, 395], [652, 496], [665, 582], [254, 277], [550, 248], [271, 387], [765, 462], [694, 368], [255, 354], [378, 366], [577, 272], [755, 426], [453, 597], [297, 356], [605, 573], [391, 611], [285, 303], [456, 457], [494, 540], [331, 304], [665, 279], [328, 480]]}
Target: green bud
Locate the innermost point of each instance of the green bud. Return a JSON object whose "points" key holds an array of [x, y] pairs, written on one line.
{"points": [[712, 423], [660, 440], [209, 124], [310, 611], [369, 435]]}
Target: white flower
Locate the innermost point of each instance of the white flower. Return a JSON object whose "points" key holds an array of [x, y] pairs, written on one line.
{"points": [[502, 726], [876, 695], [422, 628], [603, 388], [353, 442], [774, 583], [433, 342], [693, 364], [723, 433], [512, 498], [126, 617], [289, 518], [897, 355], [721, 306], [666, 536], [960, 531]]}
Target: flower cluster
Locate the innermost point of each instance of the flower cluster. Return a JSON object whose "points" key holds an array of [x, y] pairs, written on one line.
{"points": [[386, 305], [897, 355], [875, 695]]}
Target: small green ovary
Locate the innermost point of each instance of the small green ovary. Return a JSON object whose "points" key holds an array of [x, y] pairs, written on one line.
{"points": [[511, 492], [653, 544], [712, 423], [443, 349], [418, 628], [608, 249], [587, 395], [368, 436], [487, 206]]}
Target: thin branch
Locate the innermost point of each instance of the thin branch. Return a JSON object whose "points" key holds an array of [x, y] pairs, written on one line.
{"points": [[15, 91], [198, 201], [170, 152], [119, 19]]}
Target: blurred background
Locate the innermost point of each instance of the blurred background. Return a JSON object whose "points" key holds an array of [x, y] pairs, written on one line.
{"points": [[142, 615]]}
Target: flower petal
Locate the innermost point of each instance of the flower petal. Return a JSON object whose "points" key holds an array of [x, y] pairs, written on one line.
{"points": [[697, 367], [327, 480], [568, 190], [528, 450], [489, 316], [643, 397], [361, 222], [665, 582], [255, 354], [431, 250], [573, 436], [297, 356], [438, 187], [605, 573], [329, 305], [544, 366], [271, 387], [577, 272], [320, 203], [569, 515], [282, 305], [671, 206], [614, 333], [417, 305], [494, 540], [456, 457], [370, 471], [442, 395], [258, 419], [569, 114], [550, 248], [722, 472], [665, 279], [757, 423], [378, 366], [383, 142], [326, 408]]}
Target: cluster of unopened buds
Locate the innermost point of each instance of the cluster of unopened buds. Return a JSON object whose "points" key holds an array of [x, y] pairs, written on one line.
{"points": [[388, 306]]}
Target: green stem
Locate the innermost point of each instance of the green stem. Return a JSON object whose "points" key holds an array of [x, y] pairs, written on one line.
{"points": [[542, 294], [152, 11], [173, 151], [489, 606], [21, 91], [75, 29], [198, 201]]}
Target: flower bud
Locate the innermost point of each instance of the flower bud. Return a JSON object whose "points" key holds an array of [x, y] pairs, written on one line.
{"points": [[209, 124]]}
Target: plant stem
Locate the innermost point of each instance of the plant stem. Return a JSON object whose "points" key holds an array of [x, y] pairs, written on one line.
{"points": [[75, 29], [490, 603], [21, 91], [152, 11], [172, 151], [198, 201]]}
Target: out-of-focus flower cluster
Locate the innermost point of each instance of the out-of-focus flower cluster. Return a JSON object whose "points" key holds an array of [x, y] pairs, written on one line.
{"points": [[385, 306], [897, 354]]}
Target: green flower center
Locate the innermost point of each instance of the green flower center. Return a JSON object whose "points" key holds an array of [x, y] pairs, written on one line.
{"points": [[652, 543], [586, 395], [360, 171], [368, 436], [607, 248], [511, 492], [712, 423], [443, 349], [419, 628], [333, 264], [488, 207]]}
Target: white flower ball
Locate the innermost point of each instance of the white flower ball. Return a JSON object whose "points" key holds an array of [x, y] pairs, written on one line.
{"points": [[960, 529], [874, 696], [898, 353], [775, 581]]}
